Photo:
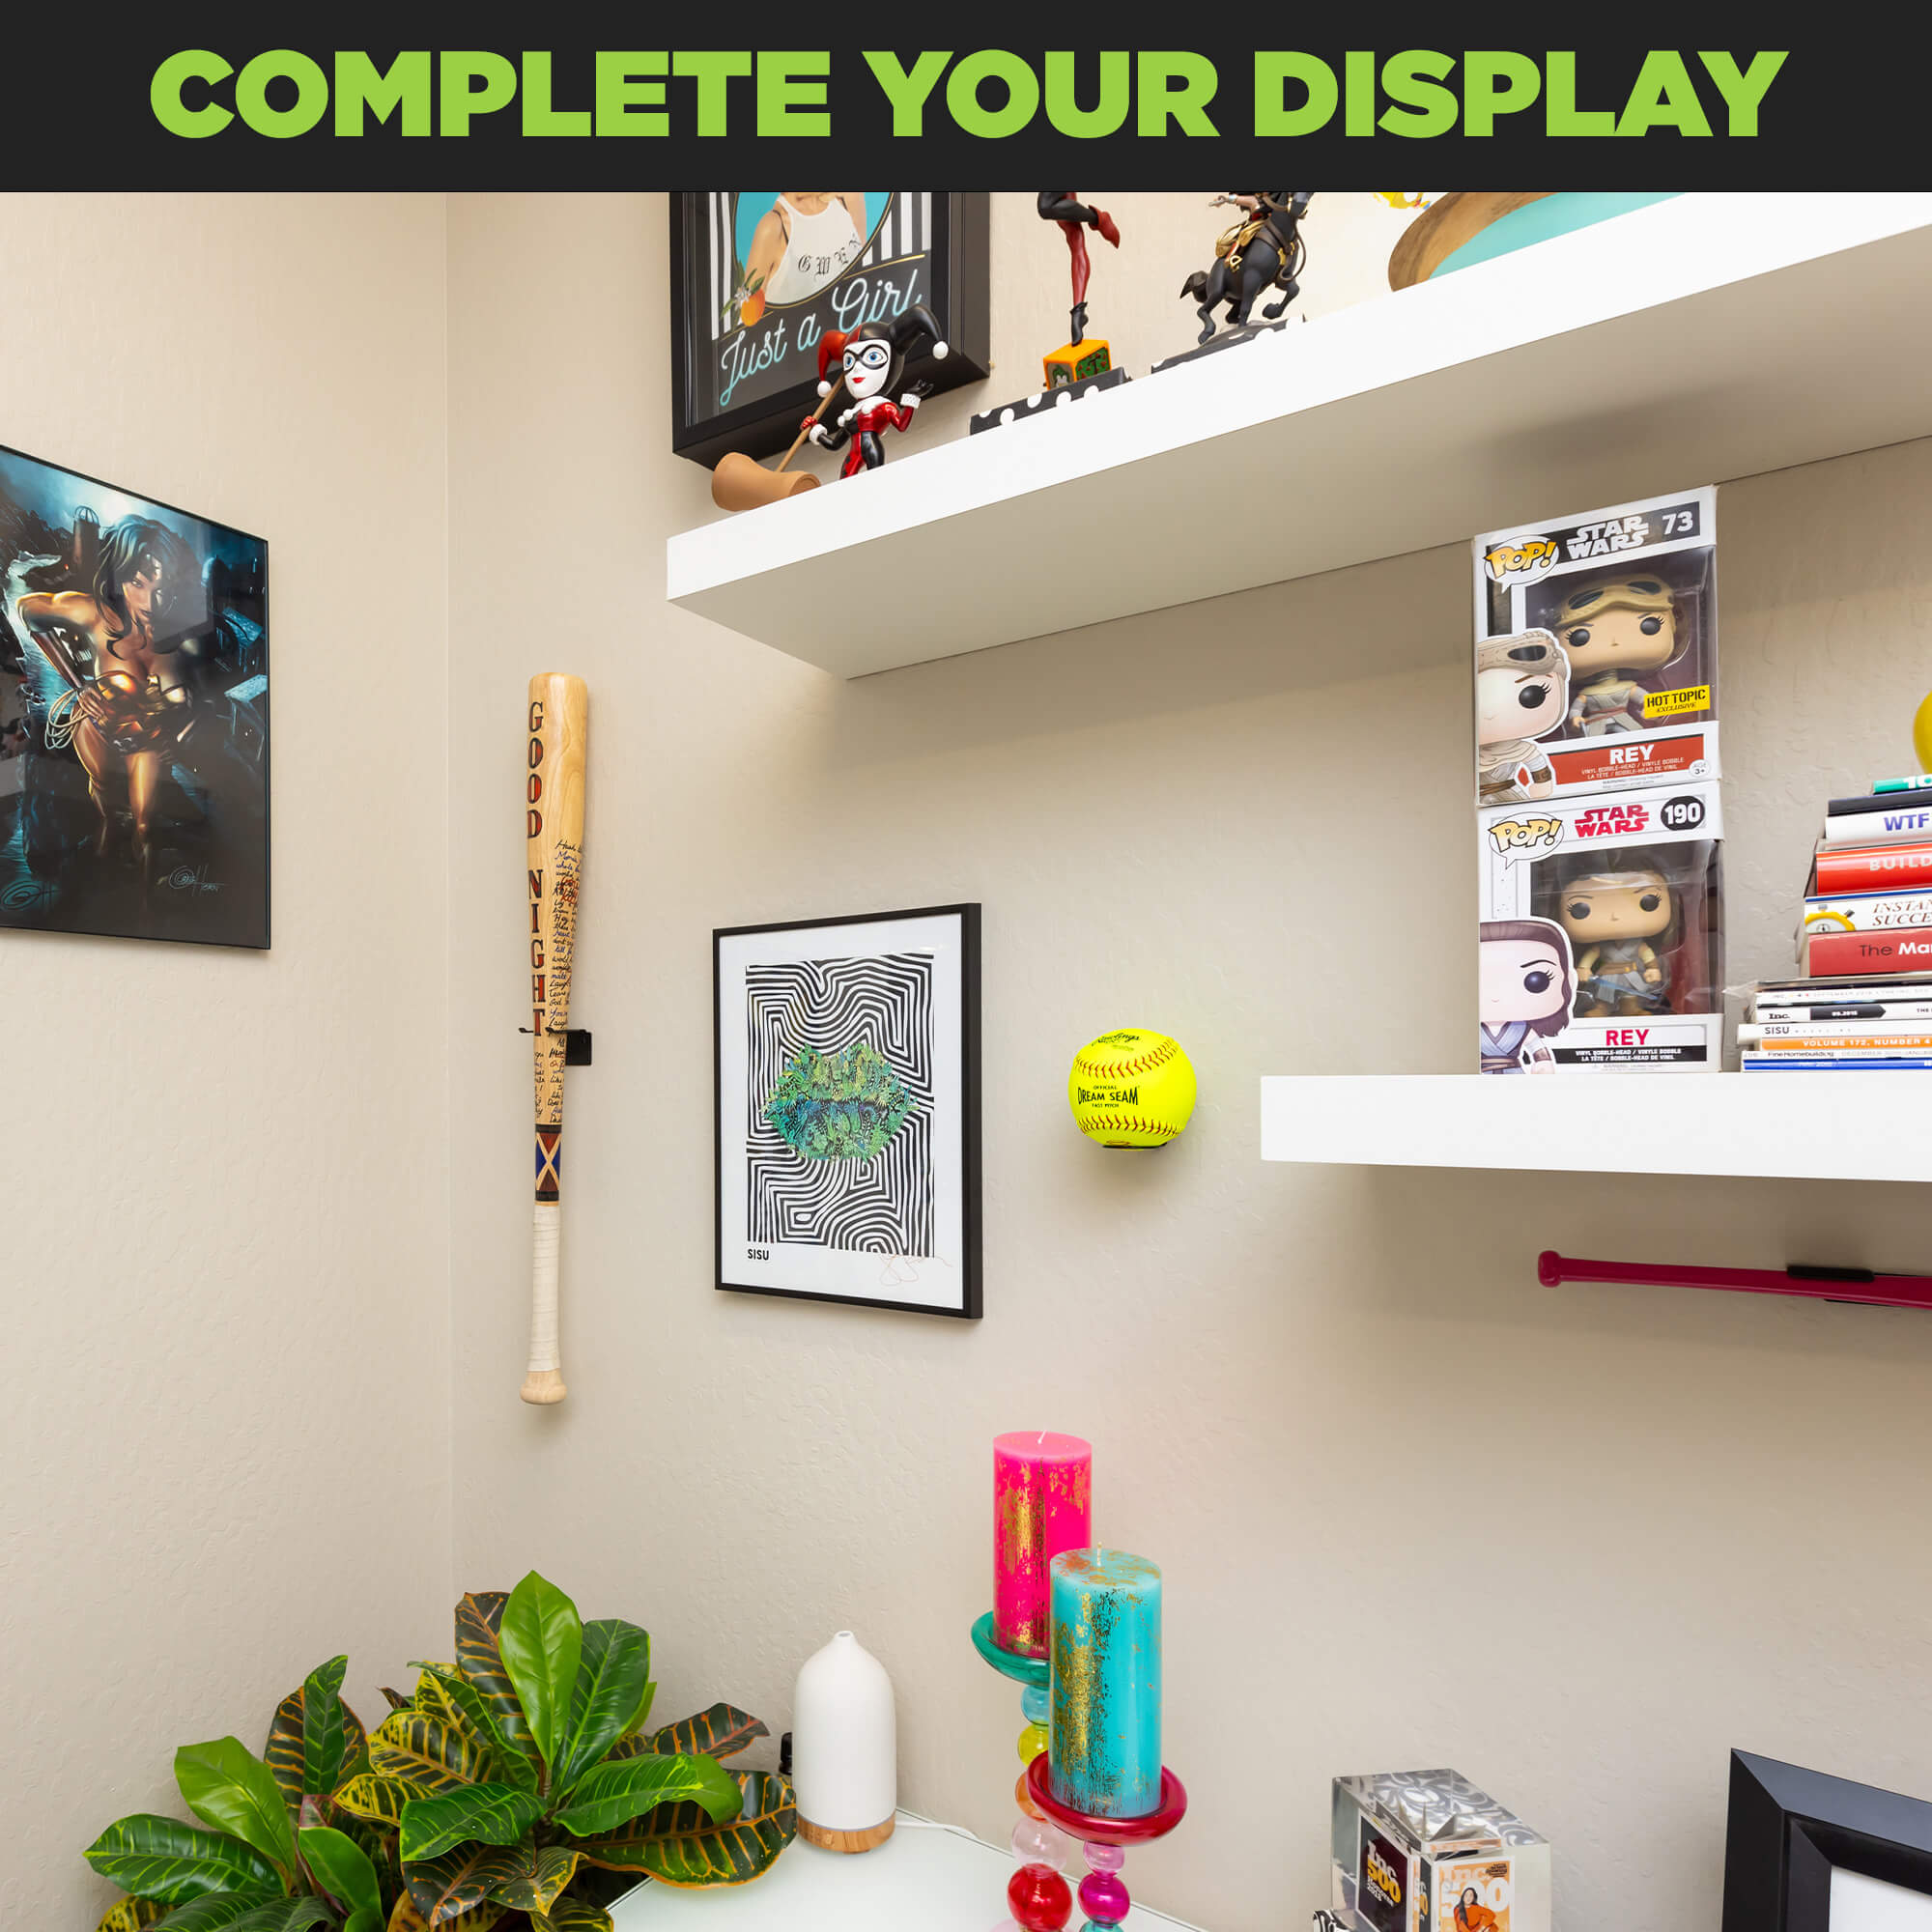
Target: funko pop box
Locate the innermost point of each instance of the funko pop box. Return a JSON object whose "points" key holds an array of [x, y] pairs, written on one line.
{"points": [[1601, 940], [1627, 696]]}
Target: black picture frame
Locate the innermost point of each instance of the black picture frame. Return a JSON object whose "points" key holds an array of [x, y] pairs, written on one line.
{"points": [[1788, 1828], [953, 274], [969, 1305]]}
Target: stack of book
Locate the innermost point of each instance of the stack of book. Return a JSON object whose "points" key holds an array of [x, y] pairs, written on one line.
{"points": [[1865, 942], [1868, 902], [1853, 1020]]}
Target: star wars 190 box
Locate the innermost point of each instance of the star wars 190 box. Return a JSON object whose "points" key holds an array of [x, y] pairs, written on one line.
{"points": [[1597, 651], [1428, 1851], [1601, 934]]}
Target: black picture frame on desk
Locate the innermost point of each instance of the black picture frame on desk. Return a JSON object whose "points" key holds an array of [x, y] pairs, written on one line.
{"points": [[744, 385], [1790, 1828], [869, 1196]]}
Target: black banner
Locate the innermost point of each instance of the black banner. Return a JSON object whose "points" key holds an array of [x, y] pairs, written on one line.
{"points": [[190, 100]]}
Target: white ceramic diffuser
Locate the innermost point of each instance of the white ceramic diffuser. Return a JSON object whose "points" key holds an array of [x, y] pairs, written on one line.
{"points": [[844, 1749]]}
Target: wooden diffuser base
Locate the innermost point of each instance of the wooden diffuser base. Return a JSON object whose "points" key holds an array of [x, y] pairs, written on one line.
{"points": [[829, 1841]]}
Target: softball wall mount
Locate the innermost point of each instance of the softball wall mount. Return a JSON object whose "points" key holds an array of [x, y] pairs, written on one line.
{"points": [[1131, 1088]]}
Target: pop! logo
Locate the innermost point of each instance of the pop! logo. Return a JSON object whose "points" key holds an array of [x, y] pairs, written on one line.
{"points": [[1519, 835], [1611, 821], [1527, 560]]}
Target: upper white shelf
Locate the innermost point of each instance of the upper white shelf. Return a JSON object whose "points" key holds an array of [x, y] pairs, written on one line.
{"points": [[1698, 339], [1813, 1126]]}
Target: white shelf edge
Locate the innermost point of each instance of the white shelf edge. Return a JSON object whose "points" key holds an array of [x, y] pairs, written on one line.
{"points": [[1810, 1127]]}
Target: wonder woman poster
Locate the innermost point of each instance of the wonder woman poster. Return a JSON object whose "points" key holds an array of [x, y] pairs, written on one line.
{"points": [[133, 714]]}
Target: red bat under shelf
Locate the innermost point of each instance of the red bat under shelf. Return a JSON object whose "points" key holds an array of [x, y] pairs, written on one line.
{"points": [[1825, 1284]]}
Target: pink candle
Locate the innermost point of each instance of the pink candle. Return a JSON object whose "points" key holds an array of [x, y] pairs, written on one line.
{"points": [[1042, 1503]]}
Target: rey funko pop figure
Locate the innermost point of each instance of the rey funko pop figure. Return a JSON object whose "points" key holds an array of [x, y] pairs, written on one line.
{"points": [[1611, 918], [1527, 984], [1523, 684], [1613, 631]]}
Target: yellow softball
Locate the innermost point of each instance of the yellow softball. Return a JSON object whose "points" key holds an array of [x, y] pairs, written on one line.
{"points": [[1131, 1088]]}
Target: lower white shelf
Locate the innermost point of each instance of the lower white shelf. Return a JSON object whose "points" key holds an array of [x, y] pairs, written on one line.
{"points": [[924, 1878], [1812, 1126]]}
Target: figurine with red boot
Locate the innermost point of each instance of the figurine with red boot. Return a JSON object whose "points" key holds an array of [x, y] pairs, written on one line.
{"points": [[871, 360], [1084, 355]]}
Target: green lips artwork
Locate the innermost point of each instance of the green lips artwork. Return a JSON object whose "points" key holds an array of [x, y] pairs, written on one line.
{"points": [[840, 1106]]}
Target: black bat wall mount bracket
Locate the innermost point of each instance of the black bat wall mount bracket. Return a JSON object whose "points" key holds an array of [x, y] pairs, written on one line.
{"points": [[576, 1044]]}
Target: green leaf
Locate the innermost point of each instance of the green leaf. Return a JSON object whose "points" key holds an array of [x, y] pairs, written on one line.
{"points": [[316, 1738], [542, 1640], [227, 1785], [452, 1889], [341, 1867], [493, 1814], [406, 1918], [397, 1701], [679, 1845], [425, 1750], [572, 1915], [322, 1725], [721, 1731], [608, 1795], [614, 1673], [216, 1908], [381, 1800], [527, 1878], [443, 1691], [284, 1914], [480, 1657], [162, 1858], [130, 1915]]}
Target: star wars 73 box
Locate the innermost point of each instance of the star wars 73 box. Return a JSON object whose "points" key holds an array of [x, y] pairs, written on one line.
{"points": [[1428, 1851], [1601, 934], [1597, 651]]}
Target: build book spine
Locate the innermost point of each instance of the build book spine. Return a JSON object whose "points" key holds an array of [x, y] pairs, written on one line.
{"points": [[1922, 782], [1859, 869]]}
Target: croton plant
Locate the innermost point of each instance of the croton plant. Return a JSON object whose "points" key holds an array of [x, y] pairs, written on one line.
{"points": [[518, 1786]]}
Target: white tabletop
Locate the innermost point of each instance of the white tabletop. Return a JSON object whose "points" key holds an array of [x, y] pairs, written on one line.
{"points": [[932, 1877]]}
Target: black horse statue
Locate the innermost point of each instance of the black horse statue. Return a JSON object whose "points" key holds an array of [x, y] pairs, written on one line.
{"points": [[1264, 251]]}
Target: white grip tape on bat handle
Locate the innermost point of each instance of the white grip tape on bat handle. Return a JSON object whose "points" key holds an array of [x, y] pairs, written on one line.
{"points": [[544, 1232]]}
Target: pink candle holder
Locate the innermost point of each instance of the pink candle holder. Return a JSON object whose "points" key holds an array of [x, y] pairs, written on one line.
{"points": [[1039, 1898], [1104, 1893]]}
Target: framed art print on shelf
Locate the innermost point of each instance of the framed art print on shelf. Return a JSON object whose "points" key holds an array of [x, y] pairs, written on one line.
{"points": [[1805, 1852], [758, 278], [847, 1059], [133, 714]]}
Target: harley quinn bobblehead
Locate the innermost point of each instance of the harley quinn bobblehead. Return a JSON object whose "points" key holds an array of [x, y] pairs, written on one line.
{"points": [[871, 360]]}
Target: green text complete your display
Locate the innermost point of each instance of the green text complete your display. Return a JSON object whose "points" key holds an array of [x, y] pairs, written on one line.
{"points": [[991, 94]]}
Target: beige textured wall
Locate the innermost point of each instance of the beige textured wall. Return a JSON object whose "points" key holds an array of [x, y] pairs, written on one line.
{"points": [[224, 1394], [1411, 1507]]}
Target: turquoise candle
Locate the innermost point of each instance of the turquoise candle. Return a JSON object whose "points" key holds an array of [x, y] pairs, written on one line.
{"points": [[1104, 1687]]}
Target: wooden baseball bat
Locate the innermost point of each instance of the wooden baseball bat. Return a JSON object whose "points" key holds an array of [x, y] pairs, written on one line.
{"points": [[554, 828]]}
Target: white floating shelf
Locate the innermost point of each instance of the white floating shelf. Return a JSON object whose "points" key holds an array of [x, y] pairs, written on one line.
{"points": [[1698, 339], [1811, 1127]]}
